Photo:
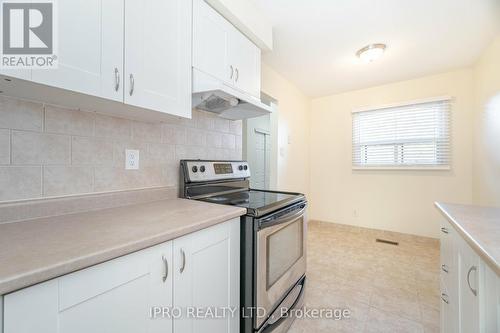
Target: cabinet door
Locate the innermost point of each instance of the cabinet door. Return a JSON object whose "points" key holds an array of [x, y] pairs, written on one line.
{"points": [[206, 276], [33, 309], [489, 307], [90, 49], [211, 42], [158, 55], [245, 56], [469, 288], [115, 296], [449, 309]]}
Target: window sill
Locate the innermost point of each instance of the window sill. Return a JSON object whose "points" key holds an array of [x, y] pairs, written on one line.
{"points": [[410, 168]]}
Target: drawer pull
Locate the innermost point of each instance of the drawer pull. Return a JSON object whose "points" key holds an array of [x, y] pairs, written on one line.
{"points": [[444, 230], [474, 291], [444, 298], [444, 268]]}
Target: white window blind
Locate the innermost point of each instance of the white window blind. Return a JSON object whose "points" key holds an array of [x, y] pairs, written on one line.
{"points": [[412, 135]]}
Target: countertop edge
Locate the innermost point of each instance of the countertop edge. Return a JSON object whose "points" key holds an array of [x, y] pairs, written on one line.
{"points": [[31, 278], [490, 261]]}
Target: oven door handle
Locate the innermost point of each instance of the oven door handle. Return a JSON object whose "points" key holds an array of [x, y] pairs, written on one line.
{"points": [[272, 326], [269, 222]]}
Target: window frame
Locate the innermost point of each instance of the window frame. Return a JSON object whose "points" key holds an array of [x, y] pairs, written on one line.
{"points": [[415, 167]]}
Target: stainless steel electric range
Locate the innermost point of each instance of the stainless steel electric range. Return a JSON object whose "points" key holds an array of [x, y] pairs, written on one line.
{"points": [[273, 240]]}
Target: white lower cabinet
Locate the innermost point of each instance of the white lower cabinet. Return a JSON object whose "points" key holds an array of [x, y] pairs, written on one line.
{"points": [[206, 276], [115, 296], [470, 290], [120, 295], [489, 305]]}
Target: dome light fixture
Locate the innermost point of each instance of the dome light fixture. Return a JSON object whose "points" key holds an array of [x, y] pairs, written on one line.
{"points": [[371, 52]]}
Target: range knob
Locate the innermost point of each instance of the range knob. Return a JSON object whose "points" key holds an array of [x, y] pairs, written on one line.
{"points": [[240, 167], [245, 167], [202, 168], [194, 168]]}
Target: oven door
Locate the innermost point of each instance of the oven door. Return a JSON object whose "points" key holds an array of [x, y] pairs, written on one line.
{"points": [[281, 256]]}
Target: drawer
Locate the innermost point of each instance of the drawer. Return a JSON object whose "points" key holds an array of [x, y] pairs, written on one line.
{"points": [[449, 309]]}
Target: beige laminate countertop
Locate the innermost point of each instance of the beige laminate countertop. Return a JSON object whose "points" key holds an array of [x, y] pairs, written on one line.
{"points": [[37, 250], [480, 227]]}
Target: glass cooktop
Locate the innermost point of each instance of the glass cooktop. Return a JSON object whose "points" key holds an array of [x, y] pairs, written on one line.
{"points": [[256, 202]]}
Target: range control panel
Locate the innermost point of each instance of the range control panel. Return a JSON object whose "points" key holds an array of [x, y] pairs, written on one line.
{"points": [[202, 171]]}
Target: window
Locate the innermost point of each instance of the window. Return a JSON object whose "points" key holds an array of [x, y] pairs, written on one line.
{"points": [[413, 135]]}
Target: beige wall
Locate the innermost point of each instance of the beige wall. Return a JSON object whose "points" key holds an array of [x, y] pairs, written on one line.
{"points": [[487, 138], [292, 124], [48, 151], [391, 200]]}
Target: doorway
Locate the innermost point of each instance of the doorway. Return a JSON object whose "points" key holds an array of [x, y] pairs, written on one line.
{"points": [[260, 145]]}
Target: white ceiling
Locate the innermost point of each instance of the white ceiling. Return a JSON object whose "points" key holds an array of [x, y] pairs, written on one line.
{"points": [[315, 40]]}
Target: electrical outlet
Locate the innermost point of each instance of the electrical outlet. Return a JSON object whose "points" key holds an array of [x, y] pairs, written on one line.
{"points": [[131, 159]]}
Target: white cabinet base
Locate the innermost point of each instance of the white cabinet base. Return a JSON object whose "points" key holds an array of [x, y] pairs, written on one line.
{"points": [[51, 95]]}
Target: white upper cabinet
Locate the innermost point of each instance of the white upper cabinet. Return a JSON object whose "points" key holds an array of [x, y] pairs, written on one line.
{"points": [[134, 52], [112, 74], [90, 49], [211, 42], [158, 55], [222, 51], [246, 59]]}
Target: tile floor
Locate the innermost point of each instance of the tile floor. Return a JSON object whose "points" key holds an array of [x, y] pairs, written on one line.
{"points": [[387, 288]]}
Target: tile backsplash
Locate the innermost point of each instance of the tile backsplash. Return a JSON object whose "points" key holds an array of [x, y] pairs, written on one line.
{"points": [[50, 151]]}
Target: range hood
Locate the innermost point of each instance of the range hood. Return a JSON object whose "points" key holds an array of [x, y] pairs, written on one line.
{"points": [[213, 95]]}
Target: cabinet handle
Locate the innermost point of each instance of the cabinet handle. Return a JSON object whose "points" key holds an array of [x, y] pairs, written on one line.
{"points": [[117, 79], [132, 84], [183, 266], [444, 298], [237, 74], [444, 268], [444, 230], [165, 262], [473, 268], [232, 72]]}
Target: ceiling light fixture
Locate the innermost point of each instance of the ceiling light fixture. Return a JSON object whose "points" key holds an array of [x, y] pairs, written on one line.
{"points": [[371, 52]]}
